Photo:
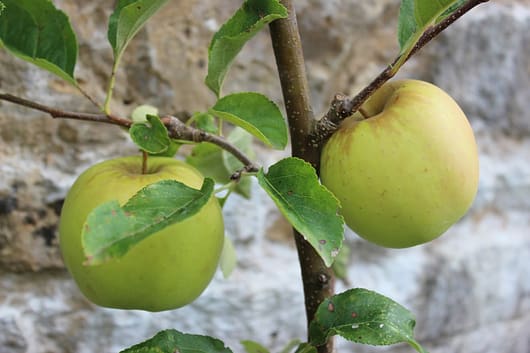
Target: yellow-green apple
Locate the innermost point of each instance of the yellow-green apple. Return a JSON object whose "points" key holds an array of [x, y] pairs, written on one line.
{"points": [[168, 269], [405, 168]]}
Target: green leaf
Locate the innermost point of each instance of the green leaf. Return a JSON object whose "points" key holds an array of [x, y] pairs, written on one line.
{"points": [[2, 7], [340, 266], [363, 316], [111, 230], [171, 341], [205, 122], [128, 18], [450, 10], [243, 141], [306, 348], [255, 113], [39, 33], [249, 19], [416, 17], [253, 347], [216, 163], [171, 151], [406, 23], [151, 136], [291, 345], [208, 159], [311, 208], [228, 260]]}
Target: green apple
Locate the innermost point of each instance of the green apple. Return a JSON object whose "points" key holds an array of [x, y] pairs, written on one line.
{"points": [[406, 169], [167, 270]]}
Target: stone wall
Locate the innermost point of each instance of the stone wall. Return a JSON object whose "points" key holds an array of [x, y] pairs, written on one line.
{"points": [[469, 289]]}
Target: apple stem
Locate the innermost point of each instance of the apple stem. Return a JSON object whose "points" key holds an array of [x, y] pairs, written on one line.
{"points": [[145, 156], [363, 113]]}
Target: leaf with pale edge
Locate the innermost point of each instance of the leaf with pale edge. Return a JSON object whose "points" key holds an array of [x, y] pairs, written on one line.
{"points": [[171, 341], [253, 347], [128, 18], [151, 136], [416, 17], [39, 33], [255, 113], [363, 316], [111, 230], [310, 208], [249, 19]]}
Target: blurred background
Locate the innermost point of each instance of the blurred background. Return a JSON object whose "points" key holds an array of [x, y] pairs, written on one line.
{"points": [[469, 289]]}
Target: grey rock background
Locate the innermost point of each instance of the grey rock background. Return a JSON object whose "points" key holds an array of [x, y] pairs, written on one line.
{"points": [[469, 289]]}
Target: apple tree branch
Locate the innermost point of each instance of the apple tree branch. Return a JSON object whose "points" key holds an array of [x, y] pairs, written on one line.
{"points": [[59, 113], [176, 128], [180, 131], [343, 106]]}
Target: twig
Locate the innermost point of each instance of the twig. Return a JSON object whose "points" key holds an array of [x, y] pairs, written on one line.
{"points": [[318, 279], [438, 28], [176, 128], [343, 106], [89, 97], [180, 131], [59, 113]]}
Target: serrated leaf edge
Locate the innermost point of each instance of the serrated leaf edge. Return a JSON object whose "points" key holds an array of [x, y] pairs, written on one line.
{"points": [[96, 257], [409, 44], [323, 188], [216, 85], [253, 130]]}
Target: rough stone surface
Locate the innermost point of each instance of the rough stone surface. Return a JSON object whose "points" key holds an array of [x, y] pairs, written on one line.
{"points": [[469, 289], [498, 57], [11, 339]]}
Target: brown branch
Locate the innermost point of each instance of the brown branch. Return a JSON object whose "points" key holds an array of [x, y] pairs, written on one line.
{"points": [[343, 106], [176, 128], [318, 280], [59, 113], [295, 88], [180, 131], [434, 31]]}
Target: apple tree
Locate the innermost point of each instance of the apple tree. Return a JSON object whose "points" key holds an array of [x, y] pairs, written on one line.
{"points": [[149, 220]]}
